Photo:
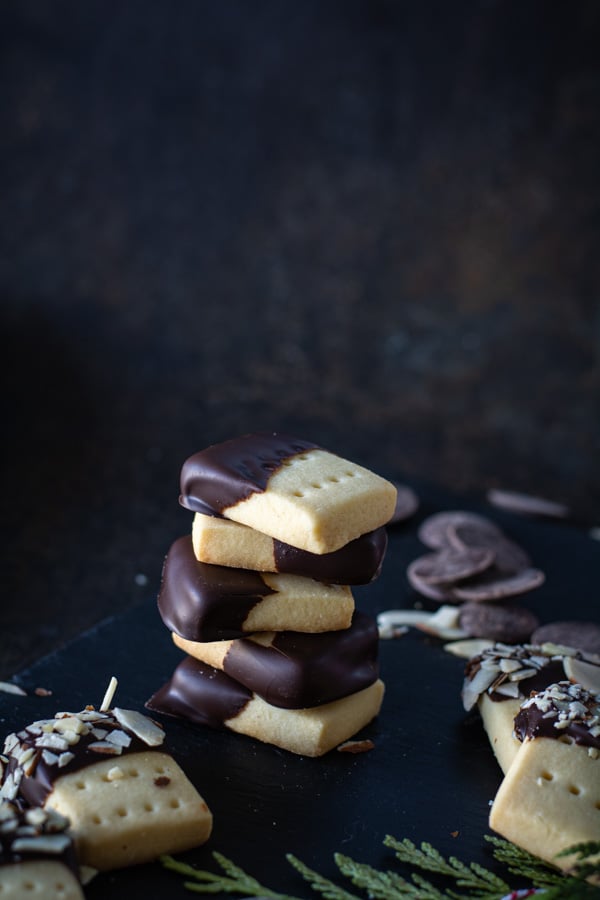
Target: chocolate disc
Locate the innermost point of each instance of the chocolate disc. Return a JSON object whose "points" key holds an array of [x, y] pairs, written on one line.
{"points": [[434, 530], [439, 593], [509, 558], [494, 585], [584, 636], [509, 624], [449, 565], [527, 505]]}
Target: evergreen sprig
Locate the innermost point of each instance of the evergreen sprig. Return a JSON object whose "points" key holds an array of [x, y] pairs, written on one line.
{"points": [[474, 880]]}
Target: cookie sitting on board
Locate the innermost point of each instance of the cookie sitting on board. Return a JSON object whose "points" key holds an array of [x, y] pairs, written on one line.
{"points": [[549, 799], [107, 771]]}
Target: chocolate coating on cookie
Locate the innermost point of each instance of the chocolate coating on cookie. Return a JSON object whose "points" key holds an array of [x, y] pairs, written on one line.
{"points": [[201, 694], [202, 602], [561, 710], [358, 562], [224, 475], [303, 670], [32, 835], [47, 749]]}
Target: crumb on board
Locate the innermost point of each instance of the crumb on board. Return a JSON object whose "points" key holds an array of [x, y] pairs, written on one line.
{"points": [[356, 746], [42, 692]]}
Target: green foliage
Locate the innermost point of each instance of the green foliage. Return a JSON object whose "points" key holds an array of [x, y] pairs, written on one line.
{"points": [[470, 881]]}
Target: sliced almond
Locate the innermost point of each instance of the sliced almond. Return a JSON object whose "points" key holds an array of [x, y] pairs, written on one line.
{"points": [[10, 688], [64, 759], [143, 727], [443, 623], [118, 737], [110, 693], [474, 687], [581, 672], [106, 748], [71, 723], [45, 843], [395, 617], [468, 648], [508, 689]]}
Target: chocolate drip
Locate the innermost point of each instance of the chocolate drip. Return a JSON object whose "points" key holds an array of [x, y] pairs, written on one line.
{"points": [[201, 694], [226, 474], [303, 670], [202, 602], [358, 562]]}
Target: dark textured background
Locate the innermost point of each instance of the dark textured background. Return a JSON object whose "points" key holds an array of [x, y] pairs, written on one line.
{"points": [[372, 223]]}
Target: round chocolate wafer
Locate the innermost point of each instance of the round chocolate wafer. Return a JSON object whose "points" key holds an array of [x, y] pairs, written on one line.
{"points": [[526, 504], [407, 503], [439, 593], [433, 531], [495, 585], [584, 636], [509, 557], [507, 623], [450, 565]]}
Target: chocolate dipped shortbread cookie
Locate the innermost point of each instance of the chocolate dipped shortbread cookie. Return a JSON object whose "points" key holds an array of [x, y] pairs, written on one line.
{"points": [[549, 799], [500, 678], [294, 670], [222, 542], [37, 857], [289, 489], [207, 696], [107, 771], [203, 602]]}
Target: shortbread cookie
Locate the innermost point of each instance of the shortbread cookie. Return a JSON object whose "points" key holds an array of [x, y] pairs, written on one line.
{"points": [[287, 488], [222, 542], [126, 798], [295, 670], [550, 797], [201, 602], [207, 696], [500, 678], [37, 857]]}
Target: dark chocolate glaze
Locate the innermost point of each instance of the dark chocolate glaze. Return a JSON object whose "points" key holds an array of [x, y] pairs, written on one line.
{"points": [[358, 562], [226, 474], [35, 788], [202, 602], [201, 694], [548, 674], [530, 723], [8, 856], [303, 670]]}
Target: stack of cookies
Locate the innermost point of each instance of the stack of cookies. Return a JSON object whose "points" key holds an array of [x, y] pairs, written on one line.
{"points": [[259, 595]]}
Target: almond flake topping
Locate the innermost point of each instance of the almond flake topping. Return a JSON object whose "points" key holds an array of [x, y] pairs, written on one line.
{"points": [[569, 702], [105, 747], [119, 738], [110, 693], [516, 663], [141, 726], [45, 843], [9, 688]]}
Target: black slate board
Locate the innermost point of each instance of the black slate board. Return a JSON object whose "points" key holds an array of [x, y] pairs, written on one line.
{"points": [[430, 777]]}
